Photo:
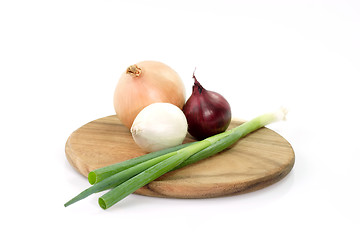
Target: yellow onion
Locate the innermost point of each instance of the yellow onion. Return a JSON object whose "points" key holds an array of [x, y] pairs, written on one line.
{"points": [[145, 83]]}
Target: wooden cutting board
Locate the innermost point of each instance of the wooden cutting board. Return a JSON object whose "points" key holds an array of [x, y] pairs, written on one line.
{"points": [[254, 162]]}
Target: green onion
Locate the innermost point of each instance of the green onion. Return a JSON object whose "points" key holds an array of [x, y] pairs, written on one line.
{"points": [[100, 174], [231, 136], [150, 174], [118, 178], [126, 177]]}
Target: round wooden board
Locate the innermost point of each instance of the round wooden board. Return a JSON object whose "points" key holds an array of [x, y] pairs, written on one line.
{"points": [[254, 162]]}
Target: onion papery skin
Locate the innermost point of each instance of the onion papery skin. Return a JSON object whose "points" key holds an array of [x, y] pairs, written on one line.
{"points": [[153, 82], [207, 112]]}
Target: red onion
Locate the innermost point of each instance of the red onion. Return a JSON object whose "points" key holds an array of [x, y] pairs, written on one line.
{"points": [[207, 113]]}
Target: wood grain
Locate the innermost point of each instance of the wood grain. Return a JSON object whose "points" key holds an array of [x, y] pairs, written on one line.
{"points": [[254, 162]]}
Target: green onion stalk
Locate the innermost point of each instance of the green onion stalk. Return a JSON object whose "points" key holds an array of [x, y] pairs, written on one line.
{"points": [[126, 177]]}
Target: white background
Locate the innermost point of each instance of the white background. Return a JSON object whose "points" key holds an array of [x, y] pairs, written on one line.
{"points": [[59, 64]]}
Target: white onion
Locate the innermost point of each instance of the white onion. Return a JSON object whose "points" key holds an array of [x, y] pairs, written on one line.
{"points": [[159, 126]]}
